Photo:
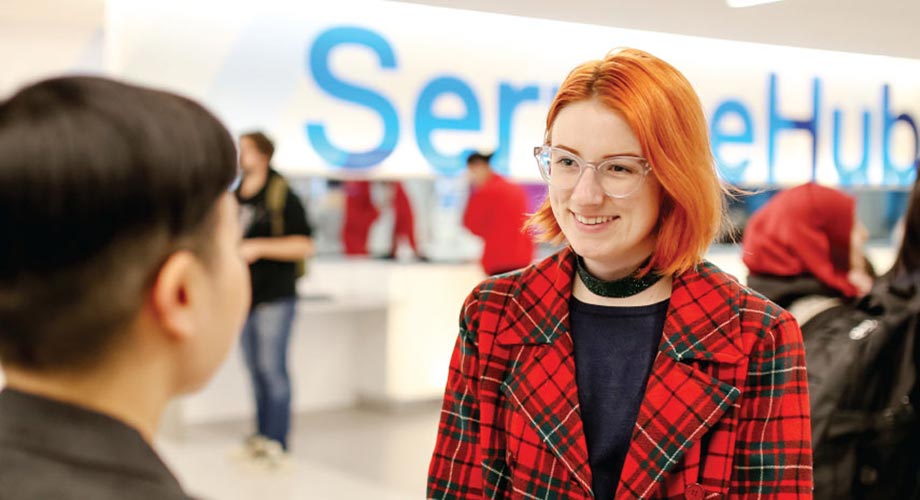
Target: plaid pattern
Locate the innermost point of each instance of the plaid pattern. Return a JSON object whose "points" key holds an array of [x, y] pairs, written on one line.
{"points": [[725, 413]]}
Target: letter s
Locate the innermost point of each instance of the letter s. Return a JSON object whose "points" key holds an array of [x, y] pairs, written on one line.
{"points": [[318, 62]]}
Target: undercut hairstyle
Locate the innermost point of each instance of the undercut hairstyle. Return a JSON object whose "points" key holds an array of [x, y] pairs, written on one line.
{"points": [[665, 114], [262, 143], [100, 182]]}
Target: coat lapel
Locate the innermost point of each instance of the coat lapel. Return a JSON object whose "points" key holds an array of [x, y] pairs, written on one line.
{"points": [[682, 402], [541, 383]]}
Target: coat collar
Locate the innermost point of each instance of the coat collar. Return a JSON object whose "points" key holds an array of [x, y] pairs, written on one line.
{"points": [[80, 437], [692, 331], [681, 402]]}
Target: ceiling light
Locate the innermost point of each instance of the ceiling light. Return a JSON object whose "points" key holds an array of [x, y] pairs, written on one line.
{"points": [[747, 3]]}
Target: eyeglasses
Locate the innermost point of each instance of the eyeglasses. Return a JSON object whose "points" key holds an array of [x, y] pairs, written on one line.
{"points": [[235, 183], [619, 176]]}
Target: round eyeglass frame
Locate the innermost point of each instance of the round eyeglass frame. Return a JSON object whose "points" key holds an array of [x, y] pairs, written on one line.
{"points": [[542, 151]]}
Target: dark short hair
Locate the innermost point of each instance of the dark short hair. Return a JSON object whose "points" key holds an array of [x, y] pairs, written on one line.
{"points": [[477, 157], [263, 144], [99, 182]]}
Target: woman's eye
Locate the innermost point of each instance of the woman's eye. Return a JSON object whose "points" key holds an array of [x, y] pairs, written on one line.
{"points": [[566, 162], [619, 169]]}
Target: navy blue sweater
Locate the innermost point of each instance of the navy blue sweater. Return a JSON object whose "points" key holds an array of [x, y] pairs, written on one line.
{"points": [[614, 350]]}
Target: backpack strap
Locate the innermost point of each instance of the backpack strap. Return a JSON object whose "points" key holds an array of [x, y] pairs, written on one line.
{"points": [[276, 194], [275, 200]]}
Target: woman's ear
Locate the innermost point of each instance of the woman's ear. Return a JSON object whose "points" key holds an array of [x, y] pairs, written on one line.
{"points": [[172, 296]]}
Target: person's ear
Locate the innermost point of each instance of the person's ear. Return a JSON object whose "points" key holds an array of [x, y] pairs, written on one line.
{"points": [[173, 295]]}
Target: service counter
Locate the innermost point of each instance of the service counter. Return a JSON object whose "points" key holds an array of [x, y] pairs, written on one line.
{"points": [[373, 332], [369, 332]]}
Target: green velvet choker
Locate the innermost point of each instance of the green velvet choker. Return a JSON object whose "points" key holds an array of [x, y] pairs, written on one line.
{"points": [[623, 287]]}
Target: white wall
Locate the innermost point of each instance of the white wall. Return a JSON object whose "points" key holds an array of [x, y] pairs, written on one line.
{"points": [[889, 26], [41, 38]]}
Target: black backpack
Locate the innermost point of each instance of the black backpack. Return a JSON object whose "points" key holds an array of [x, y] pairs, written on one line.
{"points": [[862, 363]]}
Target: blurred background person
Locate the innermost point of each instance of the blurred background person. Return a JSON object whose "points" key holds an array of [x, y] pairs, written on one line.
{"points": [[404, 243], [391, 233], [496, 212], [121, 281], [804, 251], [360, 214], [863, 369], [276, 243]]}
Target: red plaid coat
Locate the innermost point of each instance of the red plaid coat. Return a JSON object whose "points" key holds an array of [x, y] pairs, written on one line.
{"points": [[725, 412]]}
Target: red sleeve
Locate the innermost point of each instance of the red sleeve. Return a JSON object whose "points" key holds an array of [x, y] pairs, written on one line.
{"points": [[475, 216], [360, 213], [405, 222], [773, 449], [456, 465]]}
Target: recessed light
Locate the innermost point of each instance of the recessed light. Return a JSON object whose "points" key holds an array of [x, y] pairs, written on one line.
{"points": [[747, 3]]}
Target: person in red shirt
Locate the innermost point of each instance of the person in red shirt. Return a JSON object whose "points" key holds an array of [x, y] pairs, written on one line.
{"points": [[497, 212], [404, 225]]}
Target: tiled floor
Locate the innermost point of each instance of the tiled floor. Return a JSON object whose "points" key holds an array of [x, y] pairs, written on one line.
{"points": [[354, 454]]}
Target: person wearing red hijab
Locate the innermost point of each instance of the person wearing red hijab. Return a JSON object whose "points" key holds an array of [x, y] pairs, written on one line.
{"points": [[806, 241]]}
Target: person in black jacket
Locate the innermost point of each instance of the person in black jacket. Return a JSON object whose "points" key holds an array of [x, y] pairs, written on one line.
{"points": [[276, 240], [862, 357], [122, 284], [886, 378]]}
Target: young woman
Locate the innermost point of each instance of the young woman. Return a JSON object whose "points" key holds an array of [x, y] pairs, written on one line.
{"points": [[624, 366]]}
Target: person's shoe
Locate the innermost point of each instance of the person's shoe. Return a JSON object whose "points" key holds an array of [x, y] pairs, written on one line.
{"points": [[272, 455], [251, 448]]}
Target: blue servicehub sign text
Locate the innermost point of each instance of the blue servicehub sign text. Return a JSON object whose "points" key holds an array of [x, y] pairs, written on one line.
{"points": [[819, 122], [426, 120], [813, 123]]}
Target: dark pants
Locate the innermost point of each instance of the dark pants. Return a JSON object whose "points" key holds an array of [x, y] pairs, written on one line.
{"points": [[265, 340]]}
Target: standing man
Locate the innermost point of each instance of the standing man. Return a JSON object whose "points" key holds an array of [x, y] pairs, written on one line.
{"points": [[496, 212], [277, 240]]}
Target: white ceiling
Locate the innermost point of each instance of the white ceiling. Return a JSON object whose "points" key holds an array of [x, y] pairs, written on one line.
{"points": [[888, 27], [40, 37]]}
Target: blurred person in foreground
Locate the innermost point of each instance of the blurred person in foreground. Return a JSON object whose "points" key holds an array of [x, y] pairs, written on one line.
{"points": [[497, 212], [624, 366], [276, 242], [121, 281], [804, 251]]}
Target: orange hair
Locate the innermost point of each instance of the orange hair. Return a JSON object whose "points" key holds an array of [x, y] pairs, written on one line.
{"points": [[664, 112]]}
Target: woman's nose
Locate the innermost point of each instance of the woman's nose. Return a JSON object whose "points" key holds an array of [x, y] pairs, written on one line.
{"points": [[587, 190]]}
